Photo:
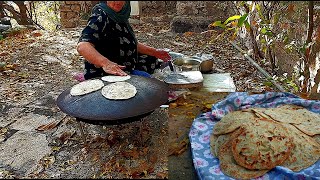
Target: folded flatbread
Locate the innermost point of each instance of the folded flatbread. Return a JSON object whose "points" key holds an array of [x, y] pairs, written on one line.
{"points": [[86, 87]]}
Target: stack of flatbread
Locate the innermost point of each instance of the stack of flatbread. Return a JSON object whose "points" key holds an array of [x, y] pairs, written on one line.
{"points": [[251, 142], [116, 90]]}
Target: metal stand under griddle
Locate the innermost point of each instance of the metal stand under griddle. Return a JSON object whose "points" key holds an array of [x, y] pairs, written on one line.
{"points": [[140, 118]]}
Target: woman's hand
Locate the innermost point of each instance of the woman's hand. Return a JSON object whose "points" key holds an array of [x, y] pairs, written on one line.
{"points": [[162, 54], [114, 68]]}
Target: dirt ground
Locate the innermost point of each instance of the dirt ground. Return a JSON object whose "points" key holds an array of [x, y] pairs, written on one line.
{"points": [[37, 64]]}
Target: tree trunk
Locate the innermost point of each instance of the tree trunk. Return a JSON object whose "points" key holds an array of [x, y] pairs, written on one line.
{"points": [[256, 51], [306, 84], [1, 9], [23, 13], [312, 57], [15, 14]]}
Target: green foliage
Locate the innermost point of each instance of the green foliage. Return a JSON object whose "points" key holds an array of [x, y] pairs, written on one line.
{"points": [[233, 24], [47, 14], [268, 83], [289, 83], [273, 23], [242, 20], [232, 18]]}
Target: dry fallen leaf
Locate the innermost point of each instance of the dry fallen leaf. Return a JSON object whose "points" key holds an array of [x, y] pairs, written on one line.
{"points": [[173, 105], [48, 126], [162, 175], [36, 34]]}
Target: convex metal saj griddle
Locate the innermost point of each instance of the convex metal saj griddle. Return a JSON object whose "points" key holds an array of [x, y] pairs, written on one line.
{"points": [[151, 94]]}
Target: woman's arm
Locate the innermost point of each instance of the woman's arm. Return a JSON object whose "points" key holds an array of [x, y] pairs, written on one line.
{"points": [[87, 50], [158, 53], [144, 49]]}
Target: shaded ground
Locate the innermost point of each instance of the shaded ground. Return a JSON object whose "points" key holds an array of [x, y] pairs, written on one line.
{"points": [[37, 66]]}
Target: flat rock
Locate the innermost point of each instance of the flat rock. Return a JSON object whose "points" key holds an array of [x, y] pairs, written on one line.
{"points": [[31, 121], [23, 150], [182, 24], [7, 114]]}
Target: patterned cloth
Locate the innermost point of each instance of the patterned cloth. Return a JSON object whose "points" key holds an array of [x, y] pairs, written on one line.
{"points": [[115, 41], [207, 166]]}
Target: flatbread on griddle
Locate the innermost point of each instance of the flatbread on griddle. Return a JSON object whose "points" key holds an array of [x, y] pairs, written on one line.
{"points": [[119, 91], [86, 87], [111, 78], [229, 166], [306, 151], [263, 144]]}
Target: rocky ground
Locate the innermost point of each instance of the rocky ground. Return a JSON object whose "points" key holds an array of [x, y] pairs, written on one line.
{"points": [[37, 140]]}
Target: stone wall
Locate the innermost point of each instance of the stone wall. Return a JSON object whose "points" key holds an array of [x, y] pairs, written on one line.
{"points": [[157, 8], [197, 15], [75, 13], [183, 15]]}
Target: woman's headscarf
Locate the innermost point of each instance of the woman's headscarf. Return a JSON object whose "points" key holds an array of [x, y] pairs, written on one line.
{"points": [[122, 16]]}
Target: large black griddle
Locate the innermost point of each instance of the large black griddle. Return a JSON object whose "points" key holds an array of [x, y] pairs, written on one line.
{"points": [[151, 94]]}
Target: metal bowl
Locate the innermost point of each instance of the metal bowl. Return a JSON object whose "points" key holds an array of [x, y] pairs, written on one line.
{"points": [[186, 64]]}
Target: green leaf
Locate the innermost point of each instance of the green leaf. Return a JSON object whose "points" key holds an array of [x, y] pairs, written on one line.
{"points": [[263, 40], [258, 7], [269, 33], [303, 49], [235, 17], [218, 24], [246, 24], [1, 36], [231, 28], [286, 39], [276, 18], [266, 31], [263, 30], [242, 19], [267, 83]]}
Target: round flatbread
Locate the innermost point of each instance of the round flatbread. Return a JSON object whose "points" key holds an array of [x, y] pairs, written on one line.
{"points": [[262, 144], [310, 124], [112, 78], [219, 141], [286, 113], [305, 153], [232, 121], [228, 164], [213, 139], [86, 87], [119, 91]]}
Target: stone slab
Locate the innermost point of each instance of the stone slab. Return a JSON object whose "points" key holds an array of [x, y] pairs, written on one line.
{"points": [[9, 116], [30, 122], [23, 150]]}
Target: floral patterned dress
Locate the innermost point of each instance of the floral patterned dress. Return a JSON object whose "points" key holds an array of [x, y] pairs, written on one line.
{"points": [[117, 42]]}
